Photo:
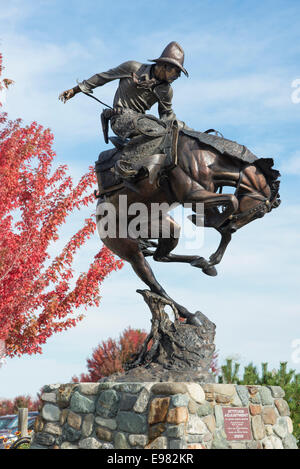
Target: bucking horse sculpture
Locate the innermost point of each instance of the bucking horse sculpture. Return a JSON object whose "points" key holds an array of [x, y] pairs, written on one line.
{"points": [[199, 168], [162, 161]]}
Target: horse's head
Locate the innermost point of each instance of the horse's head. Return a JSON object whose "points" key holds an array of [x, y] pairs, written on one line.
{"points": [[256, 196]]}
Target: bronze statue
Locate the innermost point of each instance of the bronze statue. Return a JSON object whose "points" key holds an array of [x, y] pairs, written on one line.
{"points": [[201, 171], [199, 175], [140, 87], [164, 161]]}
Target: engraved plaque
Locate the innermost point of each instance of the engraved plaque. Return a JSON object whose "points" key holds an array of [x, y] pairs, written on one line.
{"points": [[237, 423]]}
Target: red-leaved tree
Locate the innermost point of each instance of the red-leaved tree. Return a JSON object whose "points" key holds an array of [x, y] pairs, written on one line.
{"points": [[110, 356], [11, 406], [39, 294]]}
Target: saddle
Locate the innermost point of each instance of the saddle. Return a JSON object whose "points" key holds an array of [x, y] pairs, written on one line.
{"points": [[153, 156], [148, 155]]}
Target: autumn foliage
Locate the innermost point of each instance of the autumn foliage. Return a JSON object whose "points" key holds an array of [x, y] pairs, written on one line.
{"points": [[11, 406], [39, 293], [110, 356]]}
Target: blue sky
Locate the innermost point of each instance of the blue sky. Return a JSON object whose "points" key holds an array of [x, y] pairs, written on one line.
{"points": [[242, 58]]}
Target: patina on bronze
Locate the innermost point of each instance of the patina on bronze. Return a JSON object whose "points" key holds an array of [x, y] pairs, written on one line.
{"points": [[173, 54], [140, 87], [173, 351], [200, 174], [180, 166]]}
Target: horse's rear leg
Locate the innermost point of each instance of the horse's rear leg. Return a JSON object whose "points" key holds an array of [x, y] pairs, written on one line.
{"points": [[144, 271], [128, 249], [167, 244], [169, 237]]}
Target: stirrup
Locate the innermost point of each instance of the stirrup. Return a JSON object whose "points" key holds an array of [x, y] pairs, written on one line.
{"points": [[124, 169]]}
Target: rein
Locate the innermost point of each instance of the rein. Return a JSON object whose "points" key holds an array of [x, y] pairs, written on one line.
{"points": [[264, 206], [94, 97]]}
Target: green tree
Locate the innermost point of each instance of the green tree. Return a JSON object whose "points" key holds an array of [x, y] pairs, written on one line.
{"points": [[288, 380], [230, 372]]}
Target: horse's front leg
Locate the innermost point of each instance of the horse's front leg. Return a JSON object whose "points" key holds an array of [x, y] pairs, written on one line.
{"points": [[217, 256], [225, 232], [215, 219], [212, 201]]}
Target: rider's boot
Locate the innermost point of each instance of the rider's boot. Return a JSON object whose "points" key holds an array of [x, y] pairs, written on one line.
{"points": [[153, 164], [125, 169]]}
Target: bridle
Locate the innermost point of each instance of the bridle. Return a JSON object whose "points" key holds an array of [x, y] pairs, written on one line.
{"points": [[261, 209]]}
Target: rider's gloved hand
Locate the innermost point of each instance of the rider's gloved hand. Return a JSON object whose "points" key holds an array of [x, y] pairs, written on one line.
{"points": [[68, 94]]}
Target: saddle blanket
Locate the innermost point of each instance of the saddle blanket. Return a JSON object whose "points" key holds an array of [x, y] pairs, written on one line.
{"points": [[223, 145], [142, 146], [237, 151]]}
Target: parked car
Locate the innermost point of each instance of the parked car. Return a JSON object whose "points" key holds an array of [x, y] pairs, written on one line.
{"points": [[5, 420]]}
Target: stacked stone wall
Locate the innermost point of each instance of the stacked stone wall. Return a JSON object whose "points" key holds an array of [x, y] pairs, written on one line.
{"points": [[159, 416]]}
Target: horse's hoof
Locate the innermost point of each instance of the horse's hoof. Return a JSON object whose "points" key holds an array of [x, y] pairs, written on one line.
{"points": [[199, 262], [204, 265], [211, 271]]}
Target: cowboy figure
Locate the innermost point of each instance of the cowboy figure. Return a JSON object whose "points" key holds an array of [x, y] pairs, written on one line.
{"points": [[140, 86]]}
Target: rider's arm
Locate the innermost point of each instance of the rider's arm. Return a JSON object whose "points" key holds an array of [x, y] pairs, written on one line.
{"points": [[165, 109], [124, 70]]}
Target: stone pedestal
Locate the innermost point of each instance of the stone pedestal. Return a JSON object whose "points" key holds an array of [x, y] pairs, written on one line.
{"points": [[163, 415]]}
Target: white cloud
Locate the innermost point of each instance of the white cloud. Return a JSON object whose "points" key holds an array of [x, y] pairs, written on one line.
{"points": [[292, 164], [28, 375], [41, 71], [246, 100], [268, 149], [13, 12]]}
